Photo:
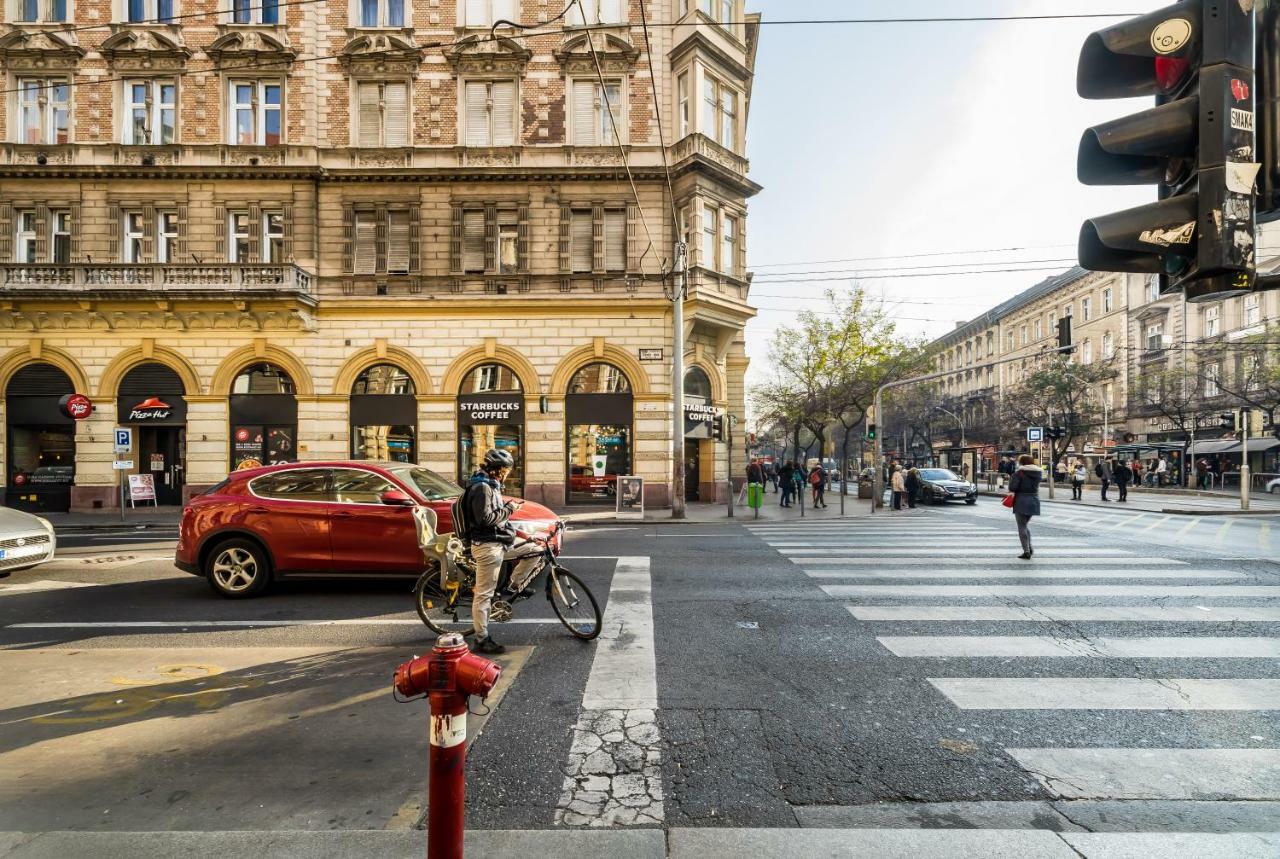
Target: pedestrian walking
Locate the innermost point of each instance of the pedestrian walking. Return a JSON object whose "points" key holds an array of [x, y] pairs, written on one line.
{"points": [[1202, 474], [1025, 486], [898, 485], [911, 483], [785, 480], [1162, 471], [771, 471], [1123, 475], [818, 483], [1060, 471], [1103, 470], [755, 473], [1136, 468], [1078, 477]]}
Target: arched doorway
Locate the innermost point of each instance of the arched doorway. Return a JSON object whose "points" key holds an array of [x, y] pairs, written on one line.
{"points": [[264, 417], [384, 415], [491, 415], [152, 399], [599, 413], [699, 448], [40, 440]]}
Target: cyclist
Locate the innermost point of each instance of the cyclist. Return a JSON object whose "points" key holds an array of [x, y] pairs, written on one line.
{"points": [[490, 534]]}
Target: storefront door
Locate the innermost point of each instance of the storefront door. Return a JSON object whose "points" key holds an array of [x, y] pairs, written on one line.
{"points": [[161, 452], [692, 470], [152, 400]]}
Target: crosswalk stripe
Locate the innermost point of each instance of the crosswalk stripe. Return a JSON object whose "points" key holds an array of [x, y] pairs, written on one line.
{"points": [[1055, 613], [1036, 646], [1023, 573], [1157, 523], [1128, 773], [1107, 693], [881, 547], [1191, 524], [873, 541], [1007, 560], [42, 585], [982, 552], [1162, 591]]}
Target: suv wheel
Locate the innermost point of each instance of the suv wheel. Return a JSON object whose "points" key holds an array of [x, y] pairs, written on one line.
{"points": [[237, 569]]}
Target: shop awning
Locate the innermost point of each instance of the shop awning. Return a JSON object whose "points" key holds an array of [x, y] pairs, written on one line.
{"points": [[1256, 445], [1217, 445]]}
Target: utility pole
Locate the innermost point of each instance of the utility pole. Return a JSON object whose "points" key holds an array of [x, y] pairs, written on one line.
{"points": [[1246, 418], [1053, 453], [677, 382]]}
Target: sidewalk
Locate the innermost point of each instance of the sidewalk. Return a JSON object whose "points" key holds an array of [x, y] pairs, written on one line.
{"points": [[1175, 501]]}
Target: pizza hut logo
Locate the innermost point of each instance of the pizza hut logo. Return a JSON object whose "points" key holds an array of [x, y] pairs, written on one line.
{"points": [[1239, 89], [76, 406], [242, 435], [150, 409]]}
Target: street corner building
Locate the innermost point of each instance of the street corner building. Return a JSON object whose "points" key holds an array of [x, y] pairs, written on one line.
{"points": [[259, 233]]}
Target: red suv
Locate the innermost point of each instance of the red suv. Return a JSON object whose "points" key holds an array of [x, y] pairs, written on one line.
{"points": [[318, 519]]}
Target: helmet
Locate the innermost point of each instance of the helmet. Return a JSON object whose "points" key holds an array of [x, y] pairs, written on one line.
{"points": [[495, 459]]}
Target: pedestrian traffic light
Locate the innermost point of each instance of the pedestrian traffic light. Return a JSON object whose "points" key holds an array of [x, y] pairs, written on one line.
{"points": [[1055, 433], [1228, 421], [871, 432], [1196, 144]]}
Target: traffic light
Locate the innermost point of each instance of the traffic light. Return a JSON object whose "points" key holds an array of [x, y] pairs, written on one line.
{"points": [[1228, 421], [1064, 336], [718, 427], [871, 432], [1197, 144], [1055, 433]]}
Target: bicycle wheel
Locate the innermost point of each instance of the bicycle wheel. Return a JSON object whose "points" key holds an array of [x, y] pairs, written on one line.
{"points": [[438, 612], [574, 604]]}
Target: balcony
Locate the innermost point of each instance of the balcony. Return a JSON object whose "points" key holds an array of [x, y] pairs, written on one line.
{"points": [[116, 280], [693, 147]]}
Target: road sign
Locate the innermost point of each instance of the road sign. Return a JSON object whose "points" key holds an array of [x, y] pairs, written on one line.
{"points": [[1035, 433], [122, 465], [124, 440]]}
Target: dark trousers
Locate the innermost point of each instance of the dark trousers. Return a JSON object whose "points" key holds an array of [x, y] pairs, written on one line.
{"points": [[1105, 484], [1024, 531], [911, 498], [819, 495], [1077, 490], [785, 500], [1124, 490]]}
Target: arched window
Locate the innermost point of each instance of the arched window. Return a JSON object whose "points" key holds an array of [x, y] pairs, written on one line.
{"points": [[264, 417], [383, 379], [599, 378], [491, 415], [152, 398], [41, 440], [262, 379], [697, 384], [490, 377]]}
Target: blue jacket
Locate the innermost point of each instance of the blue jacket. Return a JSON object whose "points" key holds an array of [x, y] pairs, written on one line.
{"points": [[1025, 486], [488, 513]]}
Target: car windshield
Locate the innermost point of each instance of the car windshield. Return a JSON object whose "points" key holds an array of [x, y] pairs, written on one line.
{"points": [[432, 486], [938, 474]]}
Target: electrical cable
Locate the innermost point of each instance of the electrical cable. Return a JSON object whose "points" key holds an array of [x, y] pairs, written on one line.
{"points": [[657, 112], [910, 256], [854, 273]]}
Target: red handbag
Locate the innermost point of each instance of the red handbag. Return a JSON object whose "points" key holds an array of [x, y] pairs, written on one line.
{"points": [[1007, 501]]}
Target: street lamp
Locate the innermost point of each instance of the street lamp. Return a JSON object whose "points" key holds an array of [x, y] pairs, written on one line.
{"points": [[958, 422]]}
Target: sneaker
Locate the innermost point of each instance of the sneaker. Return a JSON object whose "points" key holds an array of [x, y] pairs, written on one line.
{"points": [[488, 646], [1026, 556]]}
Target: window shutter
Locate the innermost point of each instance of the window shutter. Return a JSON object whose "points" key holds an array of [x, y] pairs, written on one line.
{"points": [[475, 12], [522, 238], [366, 241], [415, 239], [473, 240], [113, 229], [219, 230], [455, 241], [584, 113], [582, 243], [370, 118], [490, 237], [504, 110], [477, 117], [148, 234], [398, 241], [597, 238], [75, 232], [42, 233], [615, 239], [180, 246], [349, 238], [255, 234], [566, 243], [634, 254], [286, 215], [380, 238], [397, 114], [6, 230]]}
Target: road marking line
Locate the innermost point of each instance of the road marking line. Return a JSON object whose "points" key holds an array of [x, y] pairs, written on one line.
{"points": [[624, 671], [166, 624], [43, 585], [1037, 646], [1054, 614], [1157, 523], [1187, 527], [1202, 774], [1009, 560], [1024, 573], [1208, 591], [1219, 537], [1092, 554], [1107, 693], [1264, 536]]}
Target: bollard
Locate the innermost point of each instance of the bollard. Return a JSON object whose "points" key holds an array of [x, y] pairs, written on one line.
{"points": [[448, 675]]}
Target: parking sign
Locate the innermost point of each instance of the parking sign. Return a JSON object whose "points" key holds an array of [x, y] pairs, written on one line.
{"points": [[1035, 433], [124, 440]]}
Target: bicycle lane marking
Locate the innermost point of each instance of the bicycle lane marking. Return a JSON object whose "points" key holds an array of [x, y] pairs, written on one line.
{"points": [[614, 773]]}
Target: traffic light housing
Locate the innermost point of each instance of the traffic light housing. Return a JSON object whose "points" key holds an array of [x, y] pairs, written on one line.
{"points": [[1228, 421], [1197, 144], [1064, 336], [871, 432], [718, 427], [1055, 433]]}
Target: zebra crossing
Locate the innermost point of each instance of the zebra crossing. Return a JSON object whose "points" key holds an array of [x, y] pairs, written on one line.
{"points": [[1047, 639]]}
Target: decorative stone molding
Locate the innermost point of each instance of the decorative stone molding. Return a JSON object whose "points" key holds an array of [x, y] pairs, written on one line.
{"points": [[38, 50], [616, 54], [266, 156], [381, 55], [249, 48], [144, 50], [401, 157], [250, 319], [497, 157], [473, 55]]}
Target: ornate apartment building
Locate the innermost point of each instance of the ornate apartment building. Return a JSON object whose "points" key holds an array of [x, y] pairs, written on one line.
{"points": [[395, 229]]}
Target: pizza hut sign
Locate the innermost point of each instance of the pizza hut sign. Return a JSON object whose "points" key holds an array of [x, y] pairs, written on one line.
{"points": [[76, 406], [168, 409]]}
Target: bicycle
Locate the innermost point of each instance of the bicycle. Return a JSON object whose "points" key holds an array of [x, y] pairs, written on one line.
{"points": [[444, 591]]}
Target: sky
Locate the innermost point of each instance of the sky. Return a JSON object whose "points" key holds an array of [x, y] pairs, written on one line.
{"points": [[878, 141]]}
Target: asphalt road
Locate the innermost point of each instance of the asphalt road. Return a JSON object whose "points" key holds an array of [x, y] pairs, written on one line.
{"points": [[904, 670]]}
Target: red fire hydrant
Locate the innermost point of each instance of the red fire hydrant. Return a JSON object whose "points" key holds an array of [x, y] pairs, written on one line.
{"points": [[449, 674]]}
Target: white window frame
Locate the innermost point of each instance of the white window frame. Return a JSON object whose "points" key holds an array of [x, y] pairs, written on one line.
{"points": [[683, 118], [24, 248], [602, 107], [1155, 330], [384, 20], [1086, 308], [1086, 352], [133, 233], [710, 237], [720, 11], [45, 12], [1252, 309], [490, 138], [1251, 367], [1107, 300], [356, 125], [507, 241], [168, 233], [154, 107], [590, 14], [60, 227], [1024, 334], [257, 106], [1039, 330], [273, 236], [38, 98], [1108, 346], [729, 245], [1212, 380], [151, 10], [1153, 288], [1212, 321], [239, 231], [253, 13], [492, 10], [715, 114]]}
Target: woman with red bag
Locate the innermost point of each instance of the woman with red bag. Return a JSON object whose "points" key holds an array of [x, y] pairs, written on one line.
{"points": [[1024, 488]]}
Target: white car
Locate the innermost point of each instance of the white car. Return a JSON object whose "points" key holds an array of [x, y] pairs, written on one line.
{"points": [[1274, 485], [25, 540]]}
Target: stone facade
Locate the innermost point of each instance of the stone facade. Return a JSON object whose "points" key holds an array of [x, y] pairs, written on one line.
{"points": [[303, 230]]}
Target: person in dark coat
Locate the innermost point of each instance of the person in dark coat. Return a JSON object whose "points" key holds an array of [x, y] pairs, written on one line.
{"points": [[1025, 486], [785, 476], [1122, 475], [912, 482]]}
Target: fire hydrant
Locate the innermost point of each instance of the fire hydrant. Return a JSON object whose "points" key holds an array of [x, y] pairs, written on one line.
{"points": [[449, 675]]}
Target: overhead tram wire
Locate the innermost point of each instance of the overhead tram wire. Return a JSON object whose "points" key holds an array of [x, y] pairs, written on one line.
{"points": [[657, 112], [910, 256], [780, 277]]}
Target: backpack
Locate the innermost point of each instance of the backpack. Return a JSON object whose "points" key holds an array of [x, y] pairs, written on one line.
{"points": [[815, 477], [460, 512], [1097, 469]]}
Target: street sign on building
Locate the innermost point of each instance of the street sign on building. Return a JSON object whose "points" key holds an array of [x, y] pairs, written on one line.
{"points": [[1035, 433]]}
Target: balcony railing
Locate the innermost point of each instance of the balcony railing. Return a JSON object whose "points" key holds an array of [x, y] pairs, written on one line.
{"points": [[700, 144], [97, 277]]}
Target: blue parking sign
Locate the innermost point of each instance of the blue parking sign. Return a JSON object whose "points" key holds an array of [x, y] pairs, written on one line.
{"points": [[124, 440]]}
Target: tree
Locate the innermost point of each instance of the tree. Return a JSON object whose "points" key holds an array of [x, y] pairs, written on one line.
{"points": [[1248, 370], [1058, 392]]}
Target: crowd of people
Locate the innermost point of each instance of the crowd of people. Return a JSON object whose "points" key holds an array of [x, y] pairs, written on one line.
{"points": [[789, 480]]}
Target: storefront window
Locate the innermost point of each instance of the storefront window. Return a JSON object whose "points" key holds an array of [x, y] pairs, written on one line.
{"points": [[42, 456], [384, 408], [598, 414], [264, 417], [491, 415], [40, 439], [263, 379]]}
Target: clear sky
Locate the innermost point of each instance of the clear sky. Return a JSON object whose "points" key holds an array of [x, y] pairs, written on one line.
{"points": [[884, 140]]}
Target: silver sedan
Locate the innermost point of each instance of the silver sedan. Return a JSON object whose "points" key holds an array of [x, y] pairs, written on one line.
{"points": [[25, 540]]}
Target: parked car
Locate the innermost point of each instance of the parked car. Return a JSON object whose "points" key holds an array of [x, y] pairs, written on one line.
{"points": [[940, 485], [319, 519], [25, 541], [1273, 485]]}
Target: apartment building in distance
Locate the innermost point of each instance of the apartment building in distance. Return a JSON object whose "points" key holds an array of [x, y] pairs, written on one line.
{"points": [[393, 229]]}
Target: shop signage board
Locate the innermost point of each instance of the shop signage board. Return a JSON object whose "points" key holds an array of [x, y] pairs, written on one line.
{"points": [[498, 408], [157, 462], [630, 497], [124, 440], [699, 420], [650, 354], [166, 410], [142, 487], [76, 406], [122, 465]]}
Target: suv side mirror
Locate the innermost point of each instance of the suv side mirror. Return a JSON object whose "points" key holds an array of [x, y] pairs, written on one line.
{"points": [[396, 498]]}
